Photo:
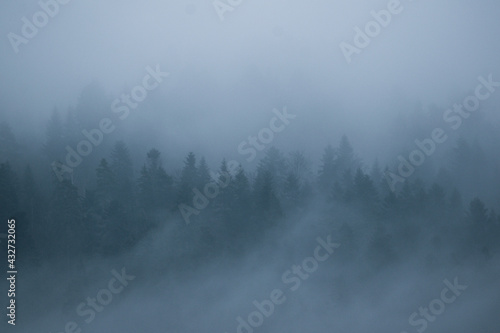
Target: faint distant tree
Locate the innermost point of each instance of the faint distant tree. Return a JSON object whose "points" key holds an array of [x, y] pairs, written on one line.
{"points": [[105, 185], [455, 205], [347, 186], [293, 197], [276, 164], [421, 197], [346, 159], [239, 224], [242, 194], [121, 165], [345, 153], [67, 230], [469, 160], [187, 181], [444, 179], [336, 170], [267, 204], [328, 172], [155, 184], [406, 200], [223, 201], [125, 224], [203, 173], [299, 166], [365, 192], [480, 224], [54, 146], [478, 214], [376, 175], [71, 128]]}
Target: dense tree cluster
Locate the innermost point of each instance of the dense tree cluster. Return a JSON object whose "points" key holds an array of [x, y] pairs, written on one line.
{"points": [[116, 206]]}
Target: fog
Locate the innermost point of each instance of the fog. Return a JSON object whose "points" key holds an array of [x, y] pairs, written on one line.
{"points": [[219, 152]]}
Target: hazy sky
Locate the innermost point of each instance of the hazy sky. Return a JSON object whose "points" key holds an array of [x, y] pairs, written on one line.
{"points": [[226, 76]]}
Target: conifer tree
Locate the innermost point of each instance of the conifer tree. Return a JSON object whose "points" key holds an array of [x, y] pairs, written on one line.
{"points": [[188, 180]]}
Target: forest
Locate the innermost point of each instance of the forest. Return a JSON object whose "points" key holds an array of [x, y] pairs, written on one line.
{"points": [[249, 166], [108, 204]]}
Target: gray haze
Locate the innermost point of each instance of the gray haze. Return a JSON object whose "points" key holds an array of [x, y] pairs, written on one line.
{"points": [[225, 79], [228, 75]]}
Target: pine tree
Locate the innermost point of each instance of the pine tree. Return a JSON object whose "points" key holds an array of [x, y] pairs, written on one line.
{"points": [[66, 232], [242, 194], [71, 130], [478, 214], [299, 166], [106, 185], [328, 172], [292, 193], [154, 183], [203, 174], [275, 163], [376, 175], [121, 165], [346, 159], [54, 146], [365, 192], [481, 229], [437, 197], [188, 180], [267, 204], [239, 224], [225, 182], [406, 200], [421, 196], [347, 185], [455, 205]]}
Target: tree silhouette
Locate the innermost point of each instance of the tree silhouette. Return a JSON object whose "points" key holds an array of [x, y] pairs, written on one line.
{"points": [[55, 143], [121, 165], [188, 180], [328, 170], [155, 185]]}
